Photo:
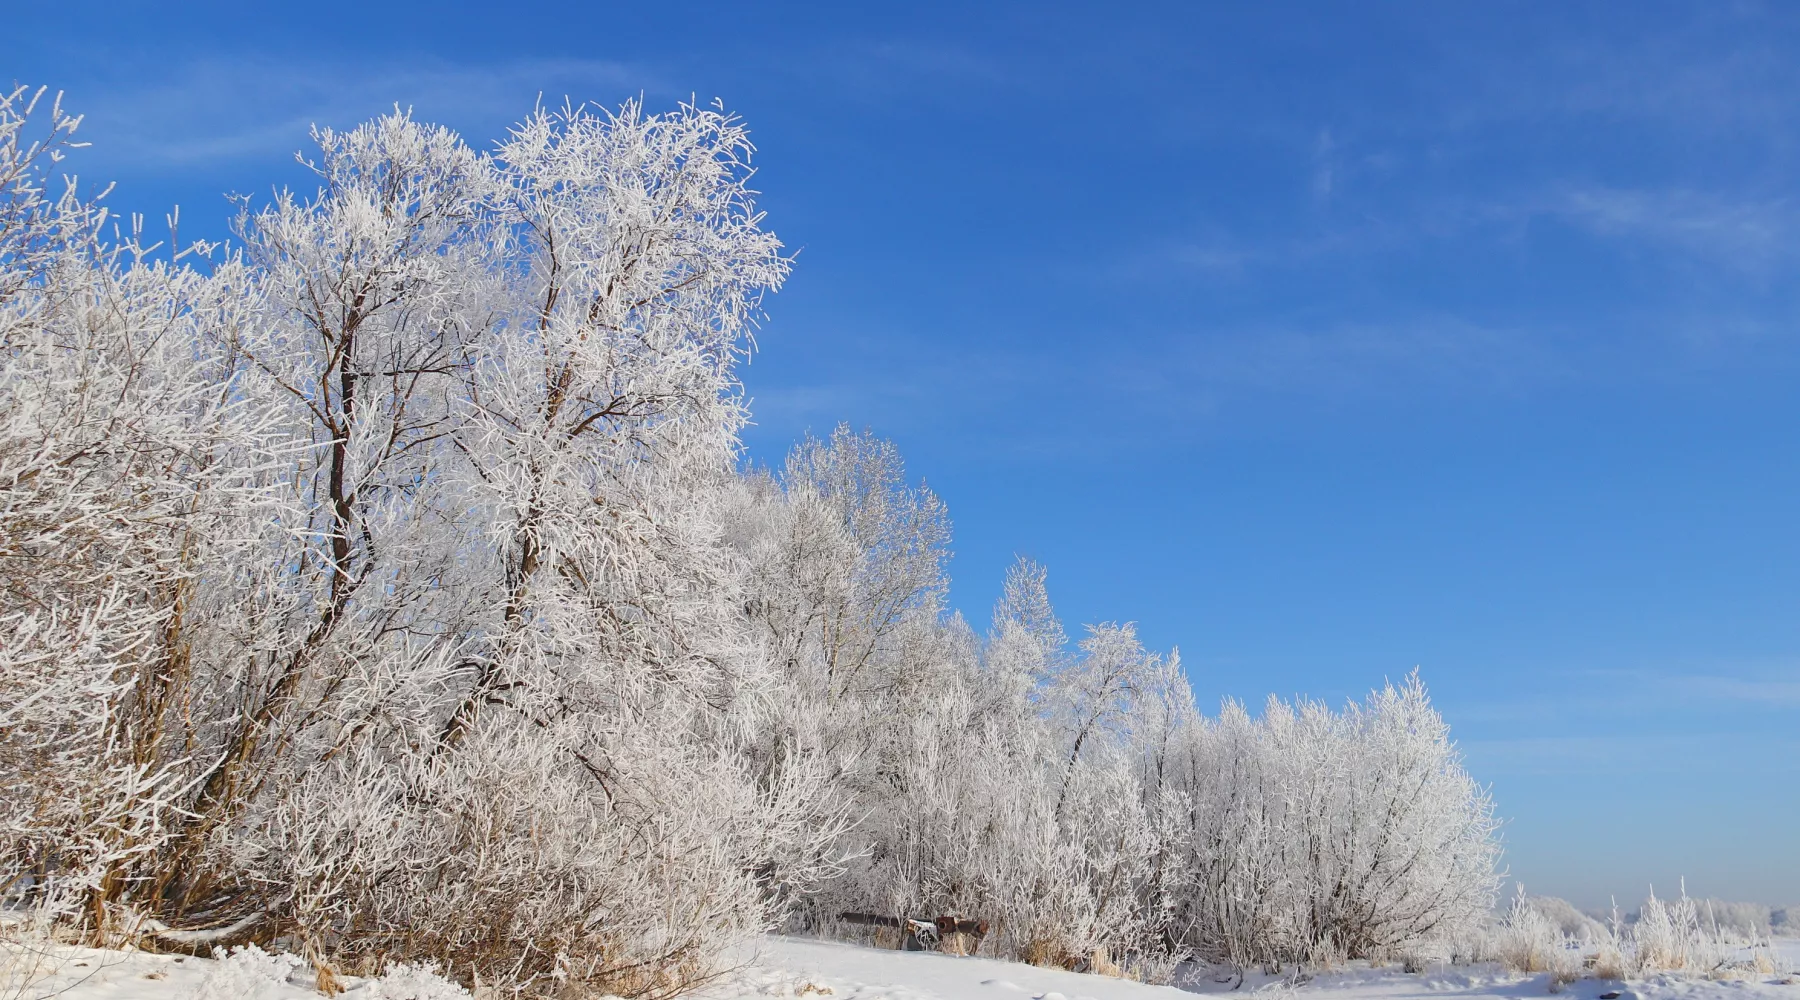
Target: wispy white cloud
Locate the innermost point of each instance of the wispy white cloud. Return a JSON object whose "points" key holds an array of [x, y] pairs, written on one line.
{"points": [[881, 70], [1752, 233], [1324, 166], [1178, 382], [1773, 692], [1437, 351], [1681, 79], [1219, 253], [1697, 112], [1745, 232], [1338, 361], [1614, 755], [1744, 702], [1686, 686], [230, 109], [821, 406]]}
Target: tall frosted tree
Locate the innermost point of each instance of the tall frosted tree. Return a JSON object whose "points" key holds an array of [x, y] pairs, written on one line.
{"points": [[414, 632], [388, 585]]}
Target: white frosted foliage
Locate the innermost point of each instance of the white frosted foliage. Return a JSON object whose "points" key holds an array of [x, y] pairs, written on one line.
{"points": [[387, 586]]}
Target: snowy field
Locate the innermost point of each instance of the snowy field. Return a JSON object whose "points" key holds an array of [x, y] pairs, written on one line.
{"points": [[788, 967], [797, 968]]}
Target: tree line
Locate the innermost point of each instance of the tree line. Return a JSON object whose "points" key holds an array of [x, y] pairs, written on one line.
{"points": [[388, 584]]}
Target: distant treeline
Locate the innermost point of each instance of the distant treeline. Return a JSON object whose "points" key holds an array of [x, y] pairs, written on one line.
{"points": [[1738, 919]]}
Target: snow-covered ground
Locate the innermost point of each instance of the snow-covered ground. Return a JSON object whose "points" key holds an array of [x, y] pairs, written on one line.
{"points": [[814, 970], [65, 973], [92, 974], [787, 967]]}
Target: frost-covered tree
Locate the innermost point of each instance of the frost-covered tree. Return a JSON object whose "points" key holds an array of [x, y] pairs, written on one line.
{"points": [[136, 465], [387, 586], [569, 680], [409, 629], [1312, 834], [1072, 794]]}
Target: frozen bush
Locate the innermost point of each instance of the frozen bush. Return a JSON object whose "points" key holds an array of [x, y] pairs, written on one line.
{"points": [[1314, 835], [411, 981], [318, 561], [1073, 796], [1529, 940], [390, 586], [247, 973], [1669, 936], [1569, 921], [1750, 921]]}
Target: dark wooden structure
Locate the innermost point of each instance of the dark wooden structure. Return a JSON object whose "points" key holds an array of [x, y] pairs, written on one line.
{"points": [[924, 935]]}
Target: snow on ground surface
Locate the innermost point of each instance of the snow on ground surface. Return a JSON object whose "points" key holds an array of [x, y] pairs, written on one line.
{"points": [[823, 970], [60, 972], [95, 974], [793, 967]]}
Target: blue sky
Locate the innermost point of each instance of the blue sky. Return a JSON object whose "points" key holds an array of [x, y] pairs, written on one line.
{"points": [[1324, 341]]}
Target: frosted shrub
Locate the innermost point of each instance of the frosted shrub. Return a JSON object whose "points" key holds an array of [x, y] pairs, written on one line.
{"points": [[411, 981], [1530, 941], [1569, 921], [1072, 795], [390, 586], [132, 468], [1669, 936], [1314, 835], [1745, 920], [370, 588], [247, 973]]}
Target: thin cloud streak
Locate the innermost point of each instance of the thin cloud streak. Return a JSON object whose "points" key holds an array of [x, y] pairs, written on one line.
{"points": [[1025, 403], [1771, 693], [225, 110], [1755, 235], [1352, 360], [1603, 755], [1749, 234]]}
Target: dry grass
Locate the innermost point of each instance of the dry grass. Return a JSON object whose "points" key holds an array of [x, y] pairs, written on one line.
{"points": [[1610, 962], [1670, 936], [1046, 953], [1100, 963]]}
